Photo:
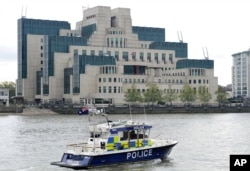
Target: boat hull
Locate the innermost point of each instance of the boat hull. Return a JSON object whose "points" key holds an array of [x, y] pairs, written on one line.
{"points": [[124, 156]]}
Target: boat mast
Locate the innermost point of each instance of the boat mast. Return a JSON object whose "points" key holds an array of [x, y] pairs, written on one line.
{"points": [[130, 112]]}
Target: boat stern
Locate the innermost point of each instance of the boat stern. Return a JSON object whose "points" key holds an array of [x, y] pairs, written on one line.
{"points": [[73, 161]]}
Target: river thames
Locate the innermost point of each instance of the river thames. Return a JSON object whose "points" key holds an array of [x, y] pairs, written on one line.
{"points": [[32, 142]]}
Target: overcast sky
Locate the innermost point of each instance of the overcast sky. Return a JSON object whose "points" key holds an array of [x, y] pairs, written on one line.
{"points": [[223, 26]]}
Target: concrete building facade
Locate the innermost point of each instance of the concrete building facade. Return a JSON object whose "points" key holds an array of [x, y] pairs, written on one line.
{"points": [[240, 74], [102, 58]]}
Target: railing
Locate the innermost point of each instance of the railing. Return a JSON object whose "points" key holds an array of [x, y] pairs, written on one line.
{"points": [[83, 147], [77, 148]]}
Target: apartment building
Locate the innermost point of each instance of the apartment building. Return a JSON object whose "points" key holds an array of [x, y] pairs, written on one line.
{"points": [[240, 74]]}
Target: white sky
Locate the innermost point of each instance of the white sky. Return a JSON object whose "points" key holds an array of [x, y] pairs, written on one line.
{"points": [[223, 26]]}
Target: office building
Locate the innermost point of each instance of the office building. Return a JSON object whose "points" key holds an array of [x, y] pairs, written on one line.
{"points": [[102, 58], [240, 74]]}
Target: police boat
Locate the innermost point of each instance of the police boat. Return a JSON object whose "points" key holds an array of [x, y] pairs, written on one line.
{"points": [[115, 143]]}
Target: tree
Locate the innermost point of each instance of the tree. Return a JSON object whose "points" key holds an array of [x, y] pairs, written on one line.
{"points": [[221, 94], [187, 94], [153, 93], [11, 86], [203, 94], [170, 96], [132, 95]]}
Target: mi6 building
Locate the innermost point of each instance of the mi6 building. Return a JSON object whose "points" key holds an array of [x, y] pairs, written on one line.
{"points": [[102, 58]]}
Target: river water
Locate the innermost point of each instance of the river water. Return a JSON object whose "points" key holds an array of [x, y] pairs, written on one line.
{"points": [[30, 143]]}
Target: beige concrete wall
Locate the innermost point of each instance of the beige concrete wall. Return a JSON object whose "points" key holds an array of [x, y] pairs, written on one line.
{"points": [[34, 63]]}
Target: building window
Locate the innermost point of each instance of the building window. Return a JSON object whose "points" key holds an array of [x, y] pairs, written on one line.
{"points": [[84, 52], [114, 79], [104, 89], [100, 89], [92, 52], [110, 89], [141, 56], [170, 58], [75, 52], [41, 47], [120, 42], [114, 89], [117, 55], [41, 54], [149, 57], [116, 42], [104, 80], [125, 56], [156, 57], [112, 42], [163, 57], [190, 81], [133, 56], [100, 80], [108, 42]]}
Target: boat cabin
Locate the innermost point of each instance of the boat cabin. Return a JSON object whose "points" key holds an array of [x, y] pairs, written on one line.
{"points": [[112, 136]]}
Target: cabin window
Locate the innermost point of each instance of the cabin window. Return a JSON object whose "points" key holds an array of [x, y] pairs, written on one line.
{"points": [[94, 135], [124, 136]]}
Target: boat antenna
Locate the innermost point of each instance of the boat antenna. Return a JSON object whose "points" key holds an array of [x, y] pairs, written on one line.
{"points": [[130, 112], [145, 115]]}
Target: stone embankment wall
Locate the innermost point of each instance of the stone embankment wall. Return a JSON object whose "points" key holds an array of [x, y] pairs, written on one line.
{"points": [[133, 110], [163, 110]]}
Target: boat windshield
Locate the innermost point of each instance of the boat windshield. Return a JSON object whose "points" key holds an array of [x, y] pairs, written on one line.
{"points": [[134, 134]]}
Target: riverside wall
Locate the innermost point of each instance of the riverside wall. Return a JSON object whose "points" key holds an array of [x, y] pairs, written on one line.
{"points": [[65, 109], [163, 109]]}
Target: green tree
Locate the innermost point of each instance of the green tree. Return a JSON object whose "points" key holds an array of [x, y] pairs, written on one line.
{"points": [[11, 86], [132, 95], [221, 94], [170, 95], [153, 93], [203, 95], [187, 94]]}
